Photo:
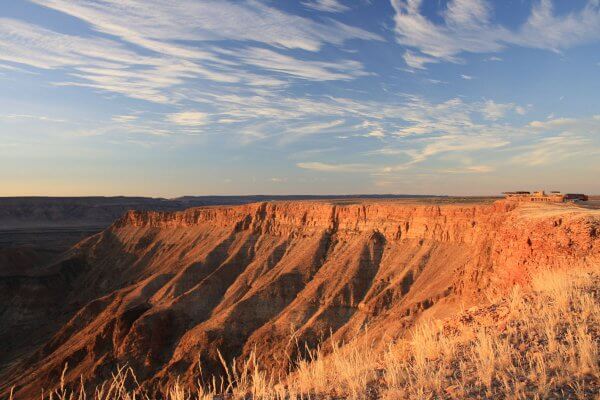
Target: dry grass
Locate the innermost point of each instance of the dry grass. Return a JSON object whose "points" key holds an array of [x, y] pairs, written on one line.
{"points": [[531, 344], [538, 344]]}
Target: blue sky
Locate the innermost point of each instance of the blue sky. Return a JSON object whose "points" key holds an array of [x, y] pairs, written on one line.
{"points": [[167, 98]]}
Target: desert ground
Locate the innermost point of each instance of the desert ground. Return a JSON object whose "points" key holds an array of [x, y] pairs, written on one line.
{"points": [[349, 298]]}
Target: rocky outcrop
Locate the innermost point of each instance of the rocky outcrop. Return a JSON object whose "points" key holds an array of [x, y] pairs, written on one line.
{"points": [[162, 290]]}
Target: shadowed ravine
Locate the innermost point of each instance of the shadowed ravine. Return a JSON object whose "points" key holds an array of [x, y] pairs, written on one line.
{"points": [[160, 291]]}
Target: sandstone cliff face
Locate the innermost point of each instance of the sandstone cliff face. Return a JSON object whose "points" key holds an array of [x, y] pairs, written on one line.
{"points": [[160, 290]]}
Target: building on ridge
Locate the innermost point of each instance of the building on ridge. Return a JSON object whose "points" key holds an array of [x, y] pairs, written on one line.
{"points": [[543, 197]]}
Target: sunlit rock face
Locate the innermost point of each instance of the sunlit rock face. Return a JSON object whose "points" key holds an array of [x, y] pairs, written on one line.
{"points": [[160, 291]]}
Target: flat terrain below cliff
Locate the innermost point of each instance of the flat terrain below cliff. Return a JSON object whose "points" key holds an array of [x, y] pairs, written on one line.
{"points": [[163, 291]]}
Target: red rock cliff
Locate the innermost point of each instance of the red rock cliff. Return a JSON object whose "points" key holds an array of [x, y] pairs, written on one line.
{"points": [[160, 290]]}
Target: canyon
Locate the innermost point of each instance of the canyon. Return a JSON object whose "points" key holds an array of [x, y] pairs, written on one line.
{"points": [[165, 291]]}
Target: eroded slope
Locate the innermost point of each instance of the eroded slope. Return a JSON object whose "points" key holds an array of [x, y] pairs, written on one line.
{"points": [[161, 291]]}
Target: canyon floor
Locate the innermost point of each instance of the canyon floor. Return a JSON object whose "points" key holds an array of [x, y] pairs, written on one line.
{"points": [[330, 298]]}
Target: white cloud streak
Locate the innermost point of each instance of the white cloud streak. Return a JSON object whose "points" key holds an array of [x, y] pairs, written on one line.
{"points": [[188, 118], [329, 167], [472, 169], [332, 6], [417, 61], [493, 111], [303, 69], [28, 117]]}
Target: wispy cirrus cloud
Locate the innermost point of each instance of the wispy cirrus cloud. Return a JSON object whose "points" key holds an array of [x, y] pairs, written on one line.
{"points": [[32, 45], [437, 146], [494, 111], [417, 61], [95, 62], [303, 69], [472, 169], [333, 6], [150, 49], [492, 59], [421, 151], [565, 124], [448, 132], [289, 119], [330, 167], [125, 118], [453, 116], [28, 117], [157, 25], [249, 77], [455, 143], [554, 149], [299, 131], [188, 118], [468, 27]]}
